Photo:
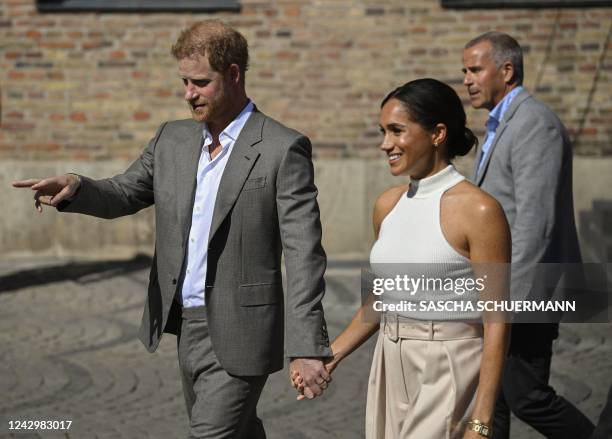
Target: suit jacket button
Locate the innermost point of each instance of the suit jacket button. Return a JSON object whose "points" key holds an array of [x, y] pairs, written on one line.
{"points": [[174, 281]]}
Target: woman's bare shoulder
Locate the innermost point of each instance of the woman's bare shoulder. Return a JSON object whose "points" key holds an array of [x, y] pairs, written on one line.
{"points": [[483, 222], [389, 198], [473, 201]]}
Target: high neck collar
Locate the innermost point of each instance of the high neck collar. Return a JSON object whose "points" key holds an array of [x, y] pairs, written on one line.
{"points": [[440, 181]]}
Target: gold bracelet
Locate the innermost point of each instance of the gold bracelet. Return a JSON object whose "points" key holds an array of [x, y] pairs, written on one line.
{"points": [[479, 427]]}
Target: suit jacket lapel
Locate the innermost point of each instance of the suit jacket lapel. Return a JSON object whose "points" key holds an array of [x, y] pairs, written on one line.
{"points": [[237, 169], [498, 133], [187, 159]]}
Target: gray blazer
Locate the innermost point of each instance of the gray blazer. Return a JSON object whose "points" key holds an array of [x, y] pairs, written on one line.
{"points": [[266, 205], [529, 171]]}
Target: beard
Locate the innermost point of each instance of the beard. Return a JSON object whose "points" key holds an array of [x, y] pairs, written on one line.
{"points": [[203, 113], [208, 110]]}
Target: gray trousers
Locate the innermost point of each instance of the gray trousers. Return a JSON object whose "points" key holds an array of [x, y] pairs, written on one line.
{"points": [[219, 405]]}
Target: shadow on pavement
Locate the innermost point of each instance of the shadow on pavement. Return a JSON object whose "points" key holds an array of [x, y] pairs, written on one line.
{"points": [[81, 272]]}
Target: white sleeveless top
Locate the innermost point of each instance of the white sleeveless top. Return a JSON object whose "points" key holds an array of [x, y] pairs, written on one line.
{"points": [[411, 245]]}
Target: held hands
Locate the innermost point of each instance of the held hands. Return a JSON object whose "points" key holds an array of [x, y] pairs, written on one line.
{"points": [[300, 384], [51, 191], [309, 376]]}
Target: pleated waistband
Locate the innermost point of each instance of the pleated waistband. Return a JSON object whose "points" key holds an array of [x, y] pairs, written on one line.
{"points": [[396, 327]]}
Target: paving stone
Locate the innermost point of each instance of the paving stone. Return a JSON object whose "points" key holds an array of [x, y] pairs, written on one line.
{"points": [[68, 351]]}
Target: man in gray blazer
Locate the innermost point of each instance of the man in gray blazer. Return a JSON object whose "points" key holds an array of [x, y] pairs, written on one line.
{"points": [[525, 162], [233, 190]]}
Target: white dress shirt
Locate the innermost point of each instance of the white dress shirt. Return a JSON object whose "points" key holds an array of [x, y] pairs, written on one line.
{"points": [[208, 179]]}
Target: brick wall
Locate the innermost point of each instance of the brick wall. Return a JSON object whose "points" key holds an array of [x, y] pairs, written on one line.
{"points": [[87, 86]]}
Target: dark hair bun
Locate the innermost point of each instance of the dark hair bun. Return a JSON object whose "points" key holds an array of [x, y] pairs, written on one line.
{"points": [[462, 145]]}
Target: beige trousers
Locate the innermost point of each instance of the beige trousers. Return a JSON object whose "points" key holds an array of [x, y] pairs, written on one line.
{"points": [[423, 379]]}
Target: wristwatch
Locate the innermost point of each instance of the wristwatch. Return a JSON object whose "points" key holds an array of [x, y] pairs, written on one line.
{"points": [[479, 427]]}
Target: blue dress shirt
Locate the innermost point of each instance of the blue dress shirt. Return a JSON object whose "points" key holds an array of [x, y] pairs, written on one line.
{"points": [[495, 117]]}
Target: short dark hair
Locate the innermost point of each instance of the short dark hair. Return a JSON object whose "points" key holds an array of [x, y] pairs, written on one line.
{"points": [[503, 48], [221, 44], [429, 102]]}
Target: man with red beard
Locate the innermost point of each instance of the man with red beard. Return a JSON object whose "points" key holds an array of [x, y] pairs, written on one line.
{"points": [[233, 190]]}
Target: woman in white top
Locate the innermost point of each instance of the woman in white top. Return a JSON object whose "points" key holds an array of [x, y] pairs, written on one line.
{"points": [[435, 374]]}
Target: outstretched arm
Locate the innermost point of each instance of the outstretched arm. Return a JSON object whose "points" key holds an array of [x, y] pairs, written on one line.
{"points": [[51, 191], [123, 194]]}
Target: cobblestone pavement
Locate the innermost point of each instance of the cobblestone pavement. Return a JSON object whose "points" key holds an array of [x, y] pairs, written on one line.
{"points": [[68, 351]]}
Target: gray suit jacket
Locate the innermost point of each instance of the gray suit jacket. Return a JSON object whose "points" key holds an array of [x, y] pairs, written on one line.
{"points": [[266, 205], [529, 171]]}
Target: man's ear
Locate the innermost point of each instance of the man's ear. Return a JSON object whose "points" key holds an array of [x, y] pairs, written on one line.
{"points": [[235, 75], [507, 69]]}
